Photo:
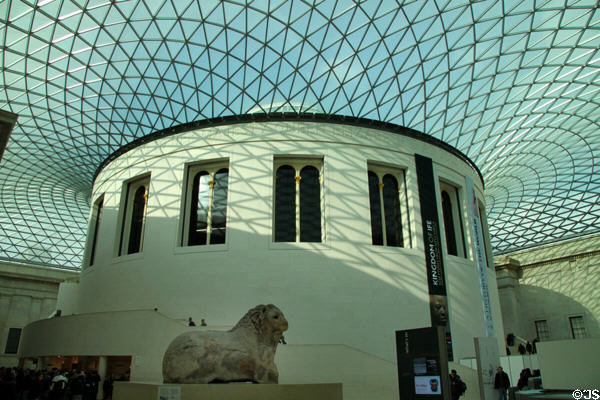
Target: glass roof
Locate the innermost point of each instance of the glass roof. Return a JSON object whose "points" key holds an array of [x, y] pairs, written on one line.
{"points": [[514, 85]]}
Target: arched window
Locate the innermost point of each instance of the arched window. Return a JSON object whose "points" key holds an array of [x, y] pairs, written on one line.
{"points": [[134, 216], [207, 208], [375, 203], [387, 200], [391, 204], [219, 207], [310, 205], [453, 228], [199, 211], [285, 204], [449, 223], [297, 216], [96, 215], [137, 221]]}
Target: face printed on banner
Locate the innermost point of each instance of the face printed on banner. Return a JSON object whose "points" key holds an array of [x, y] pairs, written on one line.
{"points": [[439, 309]]}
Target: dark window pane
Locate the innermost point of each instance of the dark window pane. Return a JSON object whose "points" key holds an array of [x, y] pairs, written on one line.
{"points": [[285, 204], [310, 205], [199, 209], [577, 327], [12, 342], [449, 224], [542, 331], [137, 221], [219, 207], [391, 206], [95, 233], [122, 241], [375, 202]]}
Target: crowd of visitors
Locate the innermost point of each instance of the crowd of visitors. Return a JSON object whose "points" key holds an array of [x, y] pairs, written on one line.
{"points": [[19, 384]]}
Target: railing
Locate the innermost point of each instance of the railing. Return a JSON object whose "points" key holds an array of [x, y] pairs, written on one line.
{"points": [[180, 321]]}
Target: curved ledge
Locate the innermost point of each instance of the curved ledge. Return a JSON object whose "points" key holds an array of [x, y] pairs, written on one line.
{"points": [[289, 116]]}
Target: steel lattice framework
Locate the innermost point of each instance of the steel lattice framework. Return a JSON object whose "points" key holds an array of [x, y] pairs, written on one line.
{"points": [[514, 85]]}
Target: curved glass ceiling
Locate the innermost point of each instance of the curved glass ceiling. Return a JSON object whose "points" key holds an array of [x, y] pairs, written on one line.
{"points": [[514, 85]]}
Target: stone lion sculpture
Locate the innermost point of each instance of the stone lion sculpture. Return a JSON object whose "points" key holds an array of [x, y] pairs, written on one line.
{"points": [[244, 353]]}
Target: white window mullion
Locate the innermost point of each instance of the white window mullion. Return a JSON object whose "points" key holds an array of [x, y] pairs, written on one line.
{"points": [[211, 191], [404, 210], [144, 217]]}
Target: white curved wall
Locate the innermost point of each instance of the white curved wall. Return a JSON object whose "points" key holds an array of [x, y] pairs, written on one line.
{"points": [[342, 291]]}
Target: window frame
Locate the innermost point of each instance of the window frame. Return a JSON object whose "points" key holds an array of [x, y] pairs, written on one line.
{"points": [[14, 348], [381, 170], [298, 163], [455, 195], [128, 191], [547, 335], [583, 333], [191, 169], [95, 220]]}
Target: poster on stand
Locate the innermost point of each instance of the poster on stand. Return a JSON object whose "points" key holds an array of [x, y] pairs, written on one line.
{"points": [[423, 364]]}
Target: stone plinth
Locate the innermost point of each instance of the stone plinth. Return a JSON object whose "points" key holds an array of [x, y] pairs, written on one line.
{"points": [[239, 391]]}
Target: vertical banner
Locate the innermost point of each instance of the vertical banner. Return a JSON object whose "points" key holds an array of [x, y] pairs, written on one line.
{"points": [[480, 257], [436, 278]]}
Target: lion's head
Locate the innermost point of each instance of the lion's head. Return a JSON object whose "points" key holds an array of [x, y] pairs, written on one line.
{"points": [[267, 320]]}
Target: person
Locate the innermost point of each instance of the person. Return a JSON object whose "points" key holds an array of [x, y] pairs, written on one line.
{"points": [[77, 386], [107, 388], [91, 381], [58, 386], [47, 383], [191, 323], [524, 378], [457, 386], [202, 322], [521, 349], [501, 382], [529, 348], [95, 384], [533, 347]]}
